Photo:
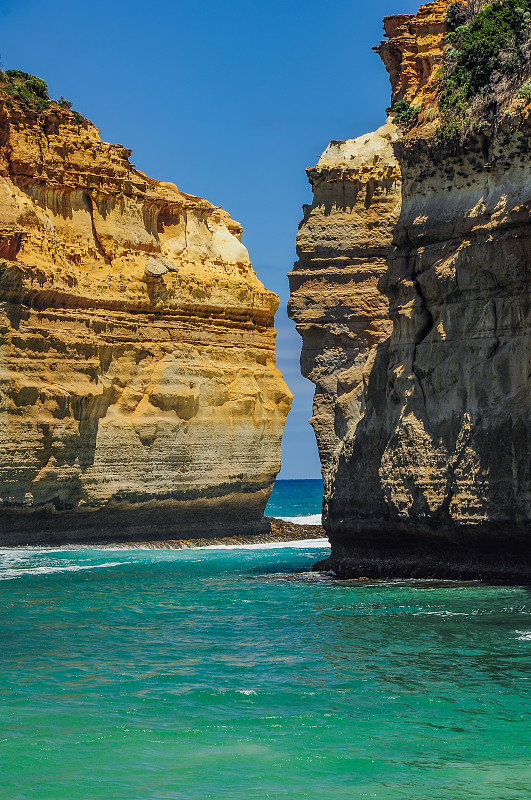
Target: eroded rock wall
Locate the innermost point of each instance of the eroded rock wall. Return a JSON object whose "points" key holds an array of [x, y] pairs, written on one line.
{"points": [[343, 245], [138, 390], [434, 477]]}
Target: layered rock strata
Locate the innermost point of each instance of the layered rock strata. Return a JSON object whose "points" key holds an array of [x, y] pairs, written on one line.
{"points": [[413, 51], [343, 244], [138, 390], [432, 477]]}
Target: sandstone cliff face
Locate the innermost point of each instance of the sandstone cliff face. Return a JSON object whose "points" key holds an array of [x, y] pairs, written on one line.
{"points": [[434, 477], [343, 244], [138, 388], [413, 51]]}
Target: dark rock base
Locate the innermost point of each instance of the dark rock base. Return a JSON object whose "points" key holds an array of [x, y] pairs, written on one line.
{"points": [[484, 553], [205, 517], [232, 519]]}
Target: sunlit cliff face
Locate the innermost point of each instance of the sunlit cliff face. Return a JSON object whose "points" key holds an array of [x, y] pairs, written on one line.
{"points": [[137, 372]]}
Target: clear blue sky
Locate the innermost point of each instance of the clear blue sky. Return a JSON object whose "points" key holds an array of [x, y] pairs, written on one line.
{"points": [[230, 101]]}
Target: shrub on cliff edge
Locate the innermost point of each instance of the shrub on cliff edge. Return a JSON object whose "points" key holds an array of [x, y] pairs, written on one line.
{"points": [[31, 92], [490, 55], [405, 113], [28, 89], [525, 91]]}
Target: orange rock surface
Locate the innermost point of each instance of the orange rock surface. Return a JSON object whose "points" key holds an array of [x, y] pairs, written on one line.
{"points": [[413, 51]]}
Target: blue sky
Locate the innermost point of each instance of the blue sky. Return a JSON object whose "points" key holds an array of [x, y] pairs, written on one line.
{"points": [[230, 101]]}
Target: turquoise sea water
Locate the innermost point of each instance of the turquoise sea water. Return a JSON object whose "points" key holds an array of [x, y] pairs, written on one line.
{"points": [[235, 673], [295, 499]]}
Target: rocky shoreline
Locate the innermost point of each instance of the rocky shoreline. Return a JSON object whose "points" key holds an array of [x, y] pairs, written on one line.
{"points": [[279, 531]]}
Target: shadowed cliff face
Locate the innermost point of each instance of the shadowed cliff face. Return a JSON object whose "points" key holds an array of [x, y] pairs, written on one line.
{"points": [[431, 476], [138, 387]]}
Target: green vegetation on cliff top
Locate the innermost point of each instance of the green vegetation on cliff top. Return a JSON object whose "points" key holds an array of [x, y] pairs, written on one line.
{"points": [[30, 92], [488, 59]]}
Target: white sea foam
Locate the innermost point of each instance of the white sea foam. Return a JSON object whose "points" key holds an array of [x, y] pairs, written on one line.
{"points": [[525, 636], [312, 519], [11, 573], [442, 613], [11, 558], [302, 543]]}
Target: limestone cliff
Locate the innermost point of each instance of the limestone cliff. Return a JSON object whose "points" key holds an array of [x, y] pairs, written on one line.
{"points": [[138, 389], [431, 474], [343, 245]]}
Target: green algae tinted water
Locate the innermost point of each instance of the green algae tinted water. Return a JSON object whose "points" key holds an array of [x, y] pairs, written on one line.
{"points": [[235, 673]]}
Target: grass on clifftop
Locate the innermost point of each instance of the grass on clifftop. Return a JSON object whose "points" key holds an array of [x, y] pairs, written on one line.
{"points": [[30, 92], [488, 59]]}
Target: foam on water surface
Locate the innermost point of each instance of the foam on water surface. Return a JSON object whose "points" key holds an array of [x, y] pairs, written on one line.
{"points": [[11, 573], [311, 519], [207, 673]]}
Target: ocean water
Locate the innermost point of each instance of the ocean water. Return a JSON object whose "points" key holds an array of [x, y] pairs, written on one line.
{"points": [[297, 501], [234, 672]]}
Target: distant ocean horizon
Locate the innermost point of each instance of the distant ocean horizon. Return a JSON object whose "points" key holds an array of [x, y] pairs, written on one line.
{"points": [[297, 501]]}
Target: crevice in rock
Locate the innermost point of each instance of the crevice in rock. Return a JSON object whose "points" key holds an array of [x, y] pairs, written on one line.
{"points": [[99, 246]]}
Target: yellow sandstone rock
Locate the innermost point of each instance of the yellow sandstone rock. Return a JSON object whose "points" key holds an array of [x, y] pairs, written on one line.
{"points": [[343, 245], [413, 51], [138, 390]]}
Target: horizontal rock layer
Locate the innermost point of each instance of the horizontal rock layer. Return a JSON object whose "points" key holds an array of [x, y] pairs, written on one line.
{"points": [[432, 476], [138, 388]]}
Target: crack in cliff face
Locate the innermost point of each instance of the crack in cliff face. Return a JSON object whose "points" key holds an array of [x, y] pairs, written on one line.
{"points": [[99, 245], [420, 337]]}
